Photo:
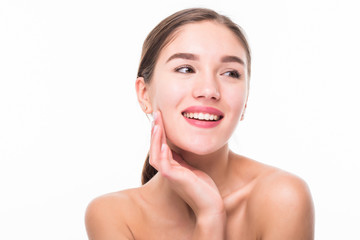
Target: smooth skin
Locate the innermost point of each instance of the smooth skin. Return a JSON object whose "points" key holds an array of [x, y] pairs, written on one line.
{"points": [[202, 190]]}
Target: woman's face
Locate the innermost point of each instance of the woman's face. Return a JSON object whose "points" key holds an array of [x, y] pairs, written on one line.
{"points": [[201, 73]]}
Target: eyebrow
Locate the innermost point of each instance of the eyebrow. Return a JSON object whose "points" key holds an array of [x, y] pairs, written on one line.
{"points": [[190, 56], [232, 59]]}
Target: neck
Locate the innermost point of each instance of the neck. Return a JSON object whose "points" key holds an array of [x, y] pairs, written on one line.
{"points": [[215, 164]]}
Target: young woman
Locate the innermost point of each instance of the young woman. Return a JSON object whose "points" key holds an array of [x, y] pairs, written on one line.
{"points": [[194, 79]]}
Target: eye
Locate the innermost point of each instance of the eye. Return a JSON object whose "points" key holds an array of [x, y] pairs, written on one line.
{"points": [[233, 74], [185, 69]]}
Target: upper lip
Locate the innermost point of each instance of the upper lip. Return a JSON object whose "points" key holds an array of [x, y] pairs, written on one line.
{"points": [[203, 109]]}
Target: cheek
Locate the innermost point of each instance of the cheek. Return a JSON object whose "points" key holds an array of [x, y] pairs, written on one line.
{"points": [[237, 99], [239, 105], [168, 96]]}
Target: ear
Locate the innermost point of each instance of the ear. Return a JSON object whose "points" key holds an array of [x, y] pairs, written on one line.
{"points": [[243, 113], [142, 91]]}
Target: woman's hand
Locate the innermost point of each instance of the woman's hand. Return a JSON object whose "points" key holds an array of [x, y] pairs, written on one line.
{"points": [[195, 187]]}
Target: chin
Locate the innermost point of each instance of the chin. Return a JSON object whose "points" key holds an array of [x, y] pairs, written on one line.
{"points": [[201, 149]]}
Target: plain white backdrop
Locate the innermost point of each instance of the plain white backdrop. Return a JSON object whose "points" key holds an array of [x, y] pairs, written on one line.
{"points": [[71, 128]]}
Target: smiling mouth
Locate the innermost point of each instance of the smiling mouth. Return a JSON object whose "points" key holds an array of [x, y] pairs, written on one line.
{"points": [[202, 116]]}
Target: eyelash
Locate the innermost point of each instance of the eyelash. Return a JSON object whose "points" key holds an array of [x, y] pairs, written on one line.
{"points": [[178, 69], [234, 74]]}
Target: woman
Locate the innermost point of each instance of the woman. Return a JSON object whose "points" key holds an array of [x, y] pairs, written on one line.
{"points": [[194, 79]]}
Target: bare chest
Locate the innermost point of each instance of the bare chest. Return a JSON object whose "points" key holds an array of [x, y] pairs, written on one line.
{"points": [[157, 227]]}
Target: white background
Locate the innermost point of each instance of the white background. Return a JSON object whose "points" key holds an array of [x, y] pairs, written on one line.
{"points": [[71, 128]]}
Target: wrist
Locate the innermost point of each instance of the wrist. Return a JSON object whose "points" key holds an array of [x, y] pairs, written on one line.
{"points": [[214, 210], [210, 226], [205, 219]]}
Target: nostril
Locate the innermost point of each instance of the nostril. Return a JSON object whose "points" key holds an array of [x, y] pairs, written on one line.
{"points": [[216, 97], [212, 94]]}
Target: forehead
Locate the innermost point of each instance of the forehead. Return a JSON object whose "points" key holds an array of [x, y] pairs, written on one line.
{"points": [[207, 39]]}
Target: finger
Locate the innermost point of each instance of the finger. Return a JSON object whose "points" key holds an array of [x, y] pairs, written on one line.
{"points": [[155, 146], [170, 169], [161, 124], [174, 170], [154, 121], [177, 157], [164, 160], [169, 152]]}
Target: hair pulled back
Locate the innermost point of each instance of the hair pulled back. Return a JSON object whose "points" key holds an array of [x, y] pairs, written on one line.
{"points": [[163, 33]]}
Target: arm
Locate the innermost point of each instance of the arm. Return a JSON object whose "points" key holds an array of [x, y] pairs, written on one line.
{"points": [[287, 211], [195, 187]]}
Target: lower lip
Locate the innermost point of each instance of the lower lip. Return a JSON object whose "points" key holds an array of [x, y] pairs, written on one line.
{"points": [[202, 124]]}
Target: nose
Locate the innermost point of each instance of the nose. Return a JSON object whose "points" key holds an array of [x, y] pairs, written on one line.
{"points": [[206, 87]]}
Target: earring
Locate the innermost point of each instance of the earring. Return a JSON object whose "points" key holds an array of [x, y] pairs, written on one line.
{"points": [[144, 107]]}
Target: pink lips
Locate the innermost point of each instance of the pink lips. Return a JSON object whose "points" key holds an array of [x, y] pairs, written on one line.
{"points": [[203, 109]]}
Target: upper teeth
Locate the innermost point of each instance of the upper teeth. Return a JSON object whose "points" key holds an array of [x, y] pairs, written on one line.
{"points": [[202, 116]]}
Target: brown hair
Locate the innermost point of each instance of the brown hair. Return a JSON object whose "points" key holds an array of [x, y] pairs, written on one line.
{"points": [[163, 33]]}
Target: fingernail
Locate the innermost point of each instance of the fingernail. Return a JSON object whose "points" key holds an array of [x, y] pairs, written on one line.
{"points": [[155, 115], [152, 122], [163, 147], [155, 128]]}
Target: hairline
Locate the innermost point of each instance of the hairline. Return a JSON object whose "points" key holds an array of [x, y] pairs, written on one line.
{"points": [[177, 31]]}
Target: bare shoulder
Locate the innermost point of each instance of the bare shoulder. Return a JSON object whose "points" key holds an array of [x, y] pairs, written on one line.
{"points": [[107, 216], [279, 185], [284, 206]]}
